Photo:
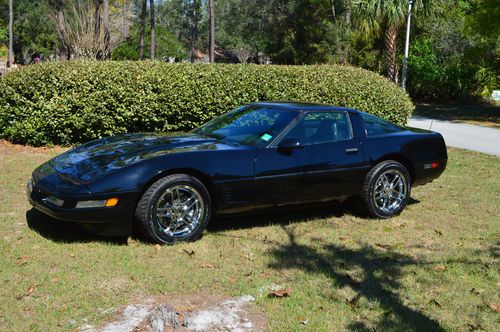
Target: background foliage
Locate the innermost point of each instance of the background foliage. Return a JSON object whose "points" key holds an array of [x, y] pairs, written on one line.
{"points": [[73, 102], [455, 55], [455, 52], [167, 45]]}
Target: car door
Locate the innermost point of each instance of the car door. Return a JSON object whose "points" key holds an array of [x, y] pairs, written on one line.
{"points": [[327, 163]]}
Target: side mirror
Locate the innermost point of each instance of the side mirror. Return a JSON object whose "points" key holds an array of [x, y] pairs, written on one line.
{"points": [[289, 144]]}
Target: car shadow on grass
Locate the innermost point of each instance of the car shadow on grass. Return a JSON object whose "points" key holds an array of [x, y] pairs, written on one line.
{"points": [[268, 217], [65, 232], [375, 280], [288, 215]]}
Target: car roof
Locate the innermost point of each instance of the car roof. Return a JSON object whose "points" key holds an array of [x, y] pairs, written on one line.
{"points": [[301, 106]]}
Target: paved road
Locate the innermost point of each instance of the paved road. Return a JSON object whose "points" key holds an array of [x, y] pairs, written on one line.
{"points": [[462, 135]]}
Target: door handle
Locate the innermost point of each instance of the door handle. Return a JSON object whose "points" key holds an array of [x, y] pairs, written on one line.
{"points": [[351, 150]]}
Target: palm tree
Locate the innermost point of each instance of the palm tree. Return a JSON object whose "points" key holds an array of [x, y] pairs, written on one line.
{"points": [[11, 33], [387, 17]]}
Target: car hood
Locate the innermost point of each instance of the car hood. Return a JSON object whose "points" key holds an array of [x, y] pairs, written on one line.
{"points": [[97, 158]]}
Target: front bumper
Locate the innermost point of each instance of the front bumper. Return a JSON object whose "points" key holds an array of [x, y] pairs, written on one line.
{"points": [[115, 220]]}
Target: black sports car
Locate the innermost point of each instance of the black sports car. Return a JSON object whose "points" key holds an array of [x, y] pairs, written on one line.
{"points": [[261, 155]]}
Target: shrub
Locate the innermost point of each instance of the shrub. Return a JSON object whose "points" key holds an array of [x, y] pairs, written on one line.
{"points": [[73, 102]]}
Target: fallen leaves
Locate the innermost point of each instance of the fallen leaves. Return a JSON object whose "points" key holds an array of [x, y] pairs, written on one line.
{"points": [[495, 307], [208, 266], [435, 302], [132, 242], [190, 252], [22, 260], [477, 291], [475, 327], [30, 291], [354, 302], [383, 246], [285, 292]]}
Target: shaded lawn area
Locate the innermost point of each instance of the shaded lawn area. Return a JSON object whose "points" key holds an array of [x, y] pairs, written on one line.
{"points": [[433, 268], [488, 116]]}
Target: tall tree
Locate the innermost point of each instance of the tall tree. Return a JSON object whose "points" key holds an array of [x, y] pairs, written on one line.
{"points": [[347, 29], [212, 30], [195, 15], [386, 17], [125, 24], [143, 30], [107, 36], [97, 24], [152, 19], [334, 12], [61, 30], [11, 33]]}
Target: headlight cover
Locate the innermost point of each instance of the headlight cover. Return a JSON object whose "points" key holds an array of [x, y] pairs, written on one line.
{"points": [[97, 203], [54, 200]]}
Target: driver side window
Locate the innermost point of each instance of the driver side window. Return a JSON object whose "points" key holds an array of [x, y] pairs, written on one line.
{"points": [[321, 127]]}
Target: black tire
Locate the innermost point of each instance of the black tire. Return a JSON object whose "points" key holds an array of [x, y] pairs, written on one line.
{"points": [[146, 214], [369, 204]]}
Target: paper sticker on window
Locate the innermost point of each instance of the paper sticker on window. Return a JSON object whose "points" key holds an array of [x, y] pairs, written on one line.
{"points": [[266, 137]]}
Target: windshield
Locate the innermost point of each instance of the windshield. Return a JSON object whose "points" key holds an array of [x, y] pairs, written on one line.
{"points": [[248, 125]]}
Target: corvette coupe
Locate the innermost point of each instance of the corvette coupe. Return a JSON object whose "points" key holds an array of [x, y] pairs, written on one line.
{"points": [[261, 155]]}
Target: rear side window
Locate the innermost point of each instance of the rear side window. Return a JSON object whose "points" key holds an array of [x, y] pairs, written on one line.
{"points": [[322, 127], [376, 126]]}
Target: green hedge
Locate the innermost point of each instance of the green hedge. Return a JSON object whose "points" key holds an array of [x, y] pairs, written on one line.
{"points": [[73, 102]]}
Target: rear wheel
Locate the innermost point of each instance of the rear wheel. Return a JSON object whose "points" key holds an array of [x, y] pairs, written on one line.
{"points": [[386, 190], [175, 208]]}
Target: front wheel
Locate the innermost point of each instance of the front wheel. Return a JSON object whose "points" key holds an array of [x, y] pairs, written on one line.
{"points": [[175, 208], [386, 190]]}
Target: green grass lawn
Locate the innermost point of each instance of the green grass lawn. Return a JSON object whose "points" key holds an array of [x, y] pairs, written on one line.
{"points": [[435, 267], [488, 116]]}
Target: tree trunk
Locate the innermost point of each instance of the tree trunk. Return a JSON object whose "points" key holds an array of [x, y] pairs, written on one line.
{"points": [[334, 13], [194, 29], [97, 27], [11, 33], [390, 48], [152, 18], [347, 27], [143, 29], [212, 31], [61, 31], [124, 19], [107, 36]]}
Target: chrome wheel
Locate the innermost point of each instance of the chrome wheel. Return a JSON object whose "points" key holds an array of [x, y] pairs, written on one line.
{"points": [[179, 210], [390, 190]]}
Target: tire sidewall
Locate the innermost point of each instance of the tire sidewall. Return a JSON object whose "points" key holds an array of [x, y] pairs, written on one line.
{"points": [[152, 223], [371, 187]]}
